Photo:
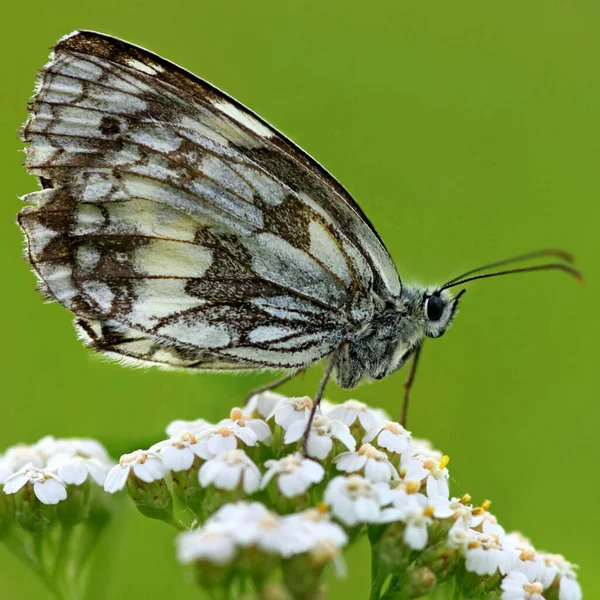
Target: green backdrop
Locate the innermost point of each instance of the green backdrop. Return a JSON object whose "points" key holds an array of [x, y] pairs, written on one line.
{"points": [[468, 131]]}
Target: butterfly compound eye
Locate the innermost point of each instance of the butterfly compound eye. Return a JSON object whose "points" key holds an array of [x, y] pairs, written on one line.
{"points": [[434, 307]]}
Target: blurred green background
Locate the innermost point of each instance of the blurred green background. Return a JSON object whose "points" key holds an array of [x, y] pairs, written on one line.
{"points": [[468, 131]]}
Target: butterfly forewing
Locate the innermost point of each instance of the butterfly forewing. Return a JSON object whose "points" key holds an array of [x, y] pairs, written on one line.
{"points": [[179, 227]]}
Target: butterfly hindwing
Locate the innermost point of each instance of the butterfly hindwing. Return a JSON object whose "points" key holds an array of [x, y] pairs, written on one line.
{"points": [[179, 227]]}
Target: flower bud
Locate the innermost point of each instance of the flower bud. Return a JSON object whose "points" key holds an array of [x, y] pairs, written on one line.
{"points": [[33, 515], [153, 499], [302, 577], [188, 490], [417, 582], [441, 559]]}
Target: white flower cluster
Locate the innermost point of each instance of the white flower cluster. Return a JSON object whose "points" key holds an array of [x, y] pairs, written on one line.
{"points": [[241, 525], [363, 472], [50, 465]]}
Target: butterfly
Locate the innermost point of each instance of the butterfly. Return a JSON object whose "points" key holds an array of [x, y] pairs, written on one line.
{"points": [[182, 230]]}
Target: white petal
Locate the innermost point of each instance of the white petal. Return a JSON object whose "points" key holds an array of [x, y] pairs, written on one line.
{"points": [[416, 536], [74, 473], [116, 479], [392, 442], [97, 470], [177, 459], [50, 491], [350, 462], [569, 589], [437, 487], [294, 432], [247, 435], [377, 471], [291, 484], [345, 437], [217, 444], [150, 470], [15, 482], [318, 446], [312, 471], [368, 419], [208, 472], [229, 477], [261, 429], [251, 481], [366, 509]]}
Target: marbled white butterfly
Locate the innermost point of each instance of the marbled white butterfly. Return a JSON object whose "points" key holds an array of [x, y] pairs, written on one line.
{"points": [[182, 230]]}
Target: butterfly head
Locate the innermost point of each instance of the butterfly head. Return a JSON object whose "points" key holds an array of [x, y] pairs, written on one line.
{"points": [[438, 308]]}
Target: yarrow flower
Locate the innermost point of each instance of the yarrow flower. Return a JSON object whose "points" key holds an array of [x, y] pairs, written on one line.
{"points": [[142, 464], [431, 469], [373, 464], [74, 469], [291, 410], [178, 452], [354, 500], [194, 426], [262, 404], [294, 474], [216, 439], [230, 470], [323, 432], [516, 586], [242, 419], [389, 435], [352, 410], [48, 487]]}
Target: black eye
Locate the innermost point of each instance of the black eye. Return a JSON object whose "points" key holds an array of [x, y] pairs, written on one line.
{"points": [[435, 308]]}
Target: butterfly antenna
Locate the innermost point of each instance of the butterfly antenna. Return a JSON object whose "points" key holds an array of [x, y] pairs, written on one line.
{"points": [[547, 267], [555, 252]]}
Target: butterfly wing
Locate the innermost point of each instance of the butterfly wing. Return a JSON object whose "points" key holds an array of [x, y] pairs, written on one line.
{"points": [[179, 227]]}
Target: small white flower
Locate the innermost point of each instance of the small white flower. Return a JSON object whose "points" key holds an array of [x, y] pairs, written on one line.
{"points": [[373, 463], [390, 435], [417, 518], [569, 588], [294, 474], [260, 427], [354, 499], [484, 553], [75, 469], [209, 545], [179, 426], [263, 403], [85, 447], [351, 410], [48, 487], [431, 469], [16, 457], [222, 438], [556, 565], [303, 531], [144, 465], [529, 562], [230, 470], [320, 438], [179, 451], [516, 586], [291, 410], [250, 524]]}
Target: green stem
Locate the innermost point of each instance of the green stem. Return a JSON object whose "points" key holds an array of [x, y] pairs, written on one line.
{"points": [[33, 560]]}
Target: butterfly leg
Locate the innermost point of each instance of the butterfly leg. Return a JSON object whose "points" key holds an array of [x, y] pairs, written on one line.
{"points": [[274, 384], [319, 394], [409, 382]]}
